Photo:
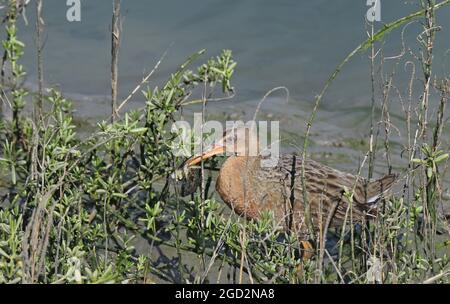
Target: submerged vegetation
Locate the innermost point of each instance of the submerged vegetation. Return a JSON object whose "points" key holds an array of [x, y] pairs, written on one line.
{"points": [[73, 209]]}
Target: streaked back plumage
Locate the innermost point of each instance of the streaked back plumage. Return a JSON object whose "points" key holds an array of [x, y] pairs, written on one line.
{"points": [[250, 189]]}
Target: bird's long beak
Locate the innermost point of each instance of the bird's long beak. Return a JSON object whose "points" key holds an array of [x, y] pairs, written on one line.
{"points": [[216, 149]]}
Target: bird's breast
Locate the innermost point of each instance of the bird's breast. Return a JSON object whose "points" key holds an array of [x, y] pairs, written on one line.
{"points": [[243, 185], [236, 185]]}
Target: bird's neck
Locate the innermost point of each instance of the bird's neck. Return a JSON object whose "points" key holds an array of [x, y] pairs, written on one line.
{"points": [[235, 184]]}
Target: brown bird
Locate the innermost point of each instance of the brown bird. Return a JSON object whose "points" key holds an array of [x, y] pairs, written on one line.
{"points": [[250, 188]]}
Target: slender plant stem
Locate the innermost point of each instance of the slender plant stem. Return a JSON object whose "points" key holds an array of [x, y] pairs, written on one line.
{"points": [[115, 40], [40, 64]]}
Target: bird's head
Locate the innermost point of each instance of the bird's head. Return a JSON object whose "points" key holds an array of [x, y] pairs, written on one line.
{"points": [[238, 141]]}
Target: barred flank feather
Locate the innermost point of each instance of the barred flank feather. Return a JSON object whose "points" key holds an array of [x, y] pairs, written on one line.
{"points": [[376, 189]]}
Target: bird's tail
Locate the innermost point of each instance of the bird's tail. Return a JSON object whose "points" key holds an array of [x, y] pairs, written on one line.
{"points": [[376, 189]]}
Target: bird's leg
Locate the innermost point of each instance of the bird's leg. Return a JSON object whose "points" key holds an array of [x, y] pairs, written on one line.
{"points": [[307, 250]]}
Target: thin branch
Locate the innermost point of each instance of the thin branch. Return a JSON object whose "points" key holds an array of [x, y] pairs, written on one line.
{"points": [[115, 38]]}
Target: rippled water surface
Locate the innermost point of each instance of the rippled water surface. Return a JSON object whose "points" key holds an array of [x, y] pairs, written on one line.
{"points": [[296, 44]]}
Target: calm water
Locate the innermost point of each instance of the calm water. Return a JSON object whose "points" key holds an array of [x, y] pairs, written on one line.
{"points": [[296, 44], [292, 43]]}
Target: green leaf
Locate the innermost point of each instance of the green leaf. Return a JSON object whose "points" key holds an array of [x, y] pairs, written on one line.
{"points": [[441, 158], [139, 130], [429, 172], [120, 195]]}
